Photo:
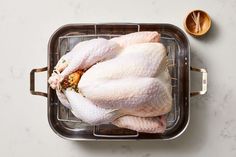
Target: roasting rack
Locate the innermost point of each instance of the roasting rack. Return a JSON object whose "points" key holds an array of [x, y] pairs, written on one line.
{"points": [[67, 42]]}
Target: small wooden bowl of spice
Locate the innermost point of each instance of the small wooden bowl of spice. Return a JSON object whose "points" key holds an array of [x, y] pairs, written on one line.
{"points": [[197, 23]]}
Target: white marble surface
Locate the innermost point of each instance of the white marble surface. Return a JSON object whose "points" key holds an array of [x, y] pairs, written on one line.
{"points": [[25, 27]]}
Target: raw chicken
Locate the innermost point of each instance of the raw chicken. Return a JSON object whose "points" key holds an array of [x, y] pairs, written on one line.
{"points": [[125, 81]]}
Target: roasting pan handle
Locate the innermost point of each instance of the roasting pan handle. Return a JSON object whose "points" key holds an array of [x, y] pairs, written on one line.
{"points": [[32, 81], [204, 81]]}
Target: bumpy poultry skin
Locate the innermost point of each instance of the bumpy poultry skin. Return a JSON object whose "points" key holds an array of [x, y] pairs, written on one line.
{"points": [[84, 108], [91, 45], [131, 81], [63, 99], [87, 53], [135, 95], [137, 37], [141, 60], [82, 56], [90, 113], [87, 111], [141, 124]]}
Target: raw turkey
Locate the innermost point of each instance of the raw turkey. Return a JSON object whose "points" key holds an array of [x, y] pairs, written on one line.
{"points": [[141, 124], [137, 37], [83, 56], [134, 81], [123, 81]]}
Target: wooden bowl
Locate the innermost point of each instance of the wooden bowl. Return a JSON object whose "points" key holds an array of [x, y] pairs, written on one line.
{"points": [[197, 23]]}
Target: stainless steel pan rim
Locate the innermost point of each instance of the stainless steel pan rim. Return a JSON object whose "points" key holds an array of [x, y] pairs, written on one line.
{"points": [[60, 32]]}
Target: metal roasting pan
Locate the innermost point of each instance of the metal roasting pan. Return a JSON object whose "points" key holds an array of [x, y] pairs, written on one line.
{"points": [[62, 121]]}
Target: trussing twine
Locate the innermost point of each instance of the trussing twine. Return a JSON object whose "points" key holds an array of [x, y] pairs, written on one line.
{"points": [[56, 72]]}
